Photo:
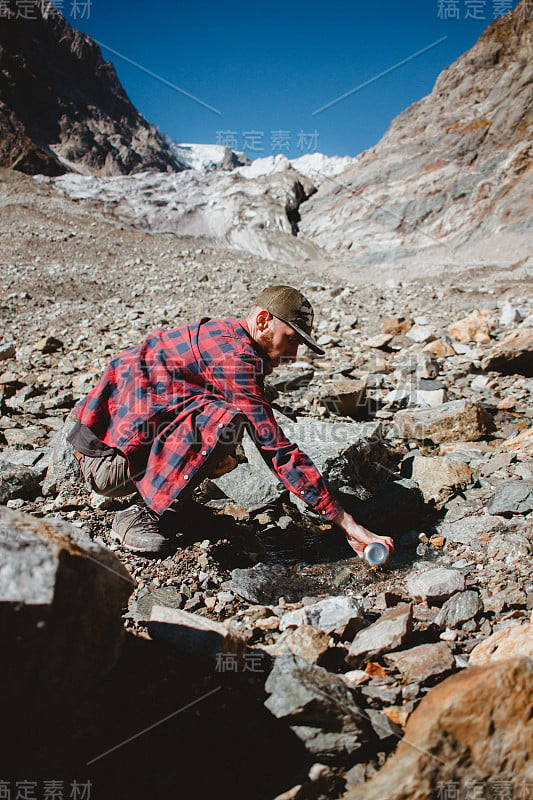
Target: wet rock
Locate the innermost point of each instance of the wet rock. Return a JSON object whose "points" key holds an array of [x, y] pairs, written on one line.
{"points": [[340, 615], [319, 707], [439, 478], [509, 643], [512, 354], [161, 596], [459, 608], [259, 584], [435, 585], [457, 419], [447, 742], [512, 497], [390, 631], [62, 598]]}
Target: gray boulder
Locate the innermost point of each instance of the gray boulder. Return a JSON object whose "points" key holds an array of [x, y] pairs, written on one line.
{"points": [[348, 454], [17, 481], [388, 632], [435, 585], [340, 615], [320, 708], [61, 601], [512, 497], [62, 467], [459, 608]]}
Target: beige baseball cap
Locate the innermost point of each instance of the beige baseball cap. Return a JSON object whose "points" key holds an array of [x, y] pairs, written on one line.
{"points": [[292, 307]]}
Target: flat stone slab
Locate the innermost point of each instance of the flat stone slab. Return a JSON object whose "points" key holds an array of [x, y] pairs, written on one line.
{"points": [[387, 633], [512, 497], [457, 419], [422, 662], [459, 608], [435, 585], [340, 615]]}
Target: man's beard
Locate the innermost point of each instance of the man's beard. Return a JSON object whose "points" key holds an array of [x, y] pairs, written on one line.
{"points": [[265, 342]]}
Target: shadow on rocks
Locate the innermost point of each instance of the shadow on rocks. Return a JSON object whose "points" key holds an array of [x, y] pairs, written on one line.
{"points": [[145, 731]]}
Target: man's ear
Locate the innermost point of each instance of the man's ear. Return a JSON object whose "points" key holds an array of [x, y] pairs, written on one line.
{"points": [[262, 319]]}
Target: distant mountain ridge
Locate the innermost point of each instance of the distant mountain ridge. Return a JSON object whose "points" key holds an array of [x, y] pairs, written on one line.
{"points": [[452, 179], [62, 106]]}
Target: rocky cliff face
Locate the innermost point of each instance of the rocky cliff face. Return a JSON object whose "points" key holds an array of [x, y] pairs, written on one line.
{"points": [[452, 180], [62, 107]]}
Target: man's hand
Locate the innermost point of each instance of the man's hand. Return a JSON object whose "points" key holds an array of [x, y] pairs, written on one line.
{"points": [[357, 536]]}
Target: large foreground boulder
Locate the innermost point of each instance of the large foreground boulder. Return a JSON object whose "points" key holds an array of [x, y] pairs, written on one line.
{"points": [[61, 602], [474, 727]]}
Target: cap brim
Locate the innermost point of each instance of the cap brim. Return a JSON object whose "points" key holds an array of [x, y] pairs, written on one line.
{"points": [[308, 340]]}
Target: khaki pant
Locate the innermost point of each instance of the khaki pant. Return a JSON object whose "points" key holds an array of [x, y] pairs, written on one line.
{"points": [[110, 476]]}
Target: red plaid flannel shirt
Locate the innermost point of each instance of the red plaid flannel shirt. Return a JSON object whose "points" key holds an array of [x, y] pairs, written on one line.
{"points": [[165, 403]]}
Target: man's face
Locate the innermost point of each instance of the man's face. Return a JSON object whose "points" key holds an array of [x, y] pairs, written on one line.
{"points": [[280, 342]]}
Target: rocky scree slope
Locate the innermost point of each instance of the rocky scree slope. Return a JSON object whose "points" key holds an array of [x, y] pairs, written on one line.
{"points": [[452, 179], [62, 106], [80, 287]]}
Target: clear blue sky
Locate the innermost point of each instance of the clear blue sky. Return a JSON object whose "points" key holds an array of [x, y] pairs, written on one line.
{"points": [[267, 66]]}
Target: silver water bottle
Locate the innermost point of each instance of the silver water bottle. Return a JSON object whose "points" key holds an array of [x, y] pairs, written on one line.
{"points": [[375, 554]]}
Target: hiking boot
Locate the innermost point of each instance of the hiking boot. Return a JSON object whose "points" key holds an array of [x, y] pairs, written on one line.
{"points": [[137, 529]]}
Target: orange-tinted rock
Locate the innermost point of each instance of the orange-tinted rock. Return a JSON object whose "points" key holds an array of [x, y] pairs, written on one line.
{"points": [[474, 726], [396, 326], [514, 353], [517, 640]]}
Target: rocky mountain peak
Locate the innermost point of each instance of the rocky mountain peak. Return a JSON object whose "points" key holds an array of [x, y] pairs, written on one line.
{"points": [[451, 182], [62, 106]]}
